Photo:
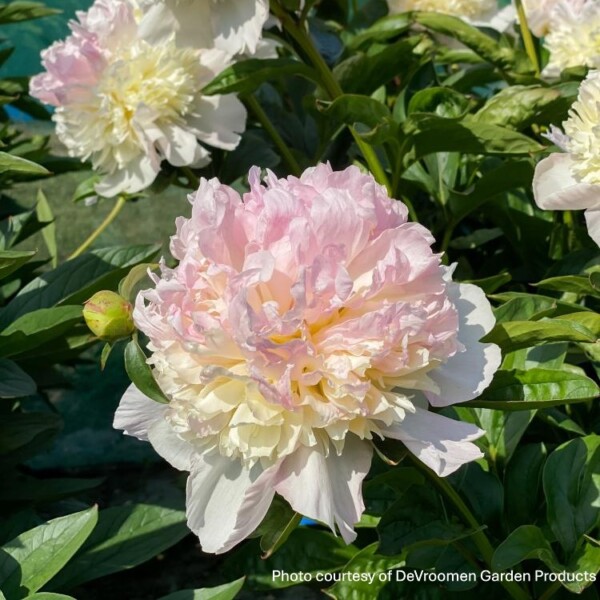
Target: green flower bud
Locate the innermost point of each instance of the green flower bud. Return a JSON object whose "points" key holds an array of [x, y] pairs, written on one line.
{"points": [[109, 316]]}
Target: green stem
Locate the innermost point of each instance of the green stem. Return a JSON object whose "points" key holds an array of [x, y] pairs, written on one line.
{"points": [[331, 86], [479, 538], [192, 178], [254, 105], [112, 215], [551, 591], [527, 37]]}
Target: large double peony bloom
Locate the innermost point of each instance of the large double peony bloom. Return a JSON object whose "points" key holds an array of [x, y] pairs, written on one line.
{"points": [[303, 321], [570, 180], [127, 85]]}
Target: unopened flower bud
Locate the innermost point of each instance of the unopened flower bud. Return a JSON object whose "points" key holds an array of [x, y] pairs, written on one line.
{"points": [[109, 316]]}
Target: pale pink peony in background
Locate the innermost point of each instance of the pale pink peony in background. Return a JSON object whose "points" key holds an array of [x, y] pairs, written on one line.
{"points": [[127, 92], [303, 321]]}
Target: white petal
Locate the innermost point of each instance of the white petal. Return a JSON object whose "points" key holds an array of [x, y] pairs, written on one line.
{"points": [[137, 413], [592, 218], [170, 446], [442, 444], [238, 24], [465, 375], [180, 147], [134, 177], [501, 20], [225, 501], [327, 489], [555, 188], [157, 25], [218, 121], [194, 28]]}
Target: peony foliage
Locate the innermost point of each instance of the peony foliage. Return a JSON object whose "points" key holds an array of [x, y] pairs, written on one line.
{"points": [[362, 361]]}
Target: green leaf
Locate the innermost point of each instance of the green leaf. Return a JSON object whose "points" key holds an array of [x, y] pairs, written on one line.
{"points": [[10, 164], [510, 175], [87, 188], [503, 431], [26, 489], [529, 308], [128, 284], [223, 592], [383, 29], [125, 537], [479, 42], [535, 388], [33, 558], [523, 484], [14, 382], [350, 109], [140, 373], [76, 280], [519, 106], [246, 76], [37, 327], [308, 550], [364, 72], [49, 596], [442, 101], [22, 435], [22, 10], [11, 260], [571, 491], [366, 566], [427, 134], [277, 526], [575, 284], [524, 334], [527, 541], [45, 215]]}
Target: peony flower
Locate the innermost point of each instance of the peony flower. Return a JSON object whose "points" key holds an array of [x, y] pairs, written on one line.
{"points": [[574, 36], [128, 95], [303, 321], [234, 26], [570, 180], [481, 13], [538, 15]]}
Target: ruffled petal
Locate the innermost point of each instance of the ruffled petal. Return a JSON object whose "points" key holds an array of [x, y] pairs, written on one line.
{"points": [[466, 374], [555, 188], [443, 444], [226, 501], [137, 413], [327, 489]]}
